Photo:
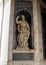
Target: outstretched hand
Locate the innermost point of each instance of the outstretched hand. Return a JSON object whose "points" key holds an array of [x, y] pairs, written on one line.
{"points": [[17, 18]]}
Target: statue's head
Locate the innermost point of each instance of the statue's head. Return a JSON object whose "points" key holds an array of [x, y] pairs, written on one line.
{"points": [[23, 17]]}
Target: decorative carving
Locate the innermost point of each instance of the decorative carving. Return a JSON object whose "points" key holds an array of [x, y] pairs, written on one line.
{"points": [[23, 32]]}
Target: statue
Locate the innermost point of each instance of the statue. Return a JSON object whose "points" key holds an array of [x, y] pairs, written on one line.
{"points": [[23, 32]]}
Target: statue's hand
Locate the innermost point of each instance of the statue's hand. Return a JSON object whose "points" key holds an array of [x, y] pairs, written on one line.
{"points": [[17, 19]]}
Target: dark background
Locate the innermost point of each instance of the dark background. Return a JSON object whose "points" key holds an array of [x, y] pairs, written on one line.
{"points": [[44, 1], [43, 15]]}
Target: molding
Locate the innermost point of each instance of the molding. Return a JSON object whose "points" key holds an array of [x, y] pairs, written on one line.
{"points": [[23, 0], [23, 51]]}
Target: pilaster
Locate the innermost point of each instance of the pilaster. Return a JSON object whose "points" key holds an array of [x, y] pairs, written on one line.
{"points": [[1, 21], [5, 33], [38, 44]]}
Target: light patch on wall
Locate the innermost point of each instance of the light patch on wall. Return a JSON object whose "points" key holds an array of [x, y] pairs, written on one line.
{"points": [[1, 1], [1, 11]]}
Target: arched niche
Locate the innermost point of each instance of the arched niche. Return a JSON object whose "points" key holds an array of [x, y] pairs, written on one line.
{"points": [[23, 9], [28, 19]]}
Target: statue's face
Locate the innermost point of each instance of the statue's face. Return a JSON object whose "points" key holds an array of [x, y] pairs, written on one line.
{"points": [[23, 17]]}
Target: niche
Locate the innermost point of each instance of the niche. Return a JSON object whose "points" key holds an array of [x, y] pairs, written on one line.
{"points": [[23, 8]]}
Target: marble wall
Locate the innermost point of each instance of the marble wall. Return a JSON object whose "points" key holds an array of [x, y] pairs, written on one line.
{"points": [[7, 36]]}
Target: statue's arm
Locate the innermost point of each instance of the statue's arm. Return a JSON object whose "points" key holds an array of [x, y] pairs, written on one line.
{"points": [[17, 22]]}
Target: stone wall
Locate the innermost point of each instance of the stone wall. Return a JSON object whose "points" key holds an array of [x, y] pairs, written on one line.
{"points": [[6, 36]]}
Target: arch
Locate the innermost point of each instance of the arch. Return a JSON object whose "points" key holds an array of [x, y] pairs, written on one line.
{"points": [[28, 19], [26, 14]]}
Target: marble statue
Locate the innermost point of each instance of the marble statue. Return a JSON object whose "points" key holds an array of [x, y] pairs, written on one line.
{"points": [[23, 32]]}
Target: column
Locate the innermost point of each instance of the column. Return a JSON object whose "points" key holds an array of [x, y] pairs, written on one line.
{"points": [[5, 33], [1, 21], [38, 43], [11, 32]]}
